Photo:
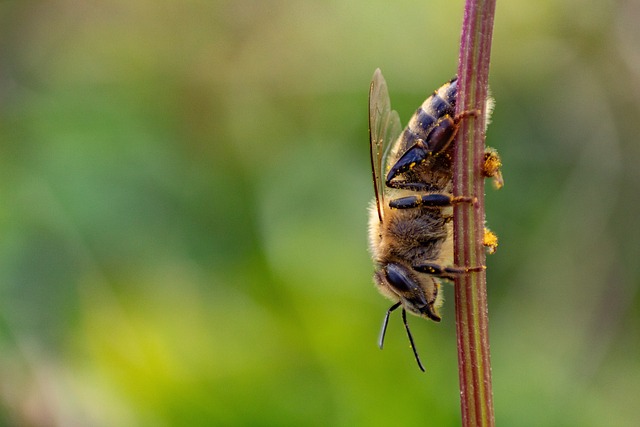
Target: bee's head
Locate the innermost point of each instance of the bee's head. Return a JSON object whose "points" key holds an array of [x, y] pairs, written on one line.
{"points": [[419, 293]]}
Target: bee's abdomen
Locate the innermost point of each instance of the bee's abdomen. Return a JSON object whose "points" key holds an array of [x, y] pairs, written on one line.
{"points": [[441, 103]]}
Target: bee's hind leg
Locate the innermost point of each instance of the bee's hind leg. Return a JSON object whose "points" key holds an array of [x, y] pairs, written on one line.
{"points": [[491, 167], [438, 140]]}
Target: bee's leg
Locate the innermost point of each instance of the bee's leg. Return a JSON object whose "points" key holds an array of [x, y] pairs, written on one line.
{"points": [[490, 241], [434, 200], [436, 142], [491, 167], [448, 273], [467, 113], [421, 187]]}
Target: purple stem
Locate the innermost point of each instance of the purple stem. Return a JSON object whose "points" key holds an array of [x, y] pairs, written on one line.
{"points": [[470, 289]]}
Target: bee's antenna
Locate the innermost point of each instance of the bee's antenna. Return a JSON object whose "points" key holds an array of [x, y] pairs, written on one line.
{"points": [[384, 324], [413, 347]]}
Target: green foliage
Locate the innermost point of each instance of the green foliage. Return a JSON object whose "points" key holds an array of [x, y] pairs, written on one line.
{"points": [[183, 193]]}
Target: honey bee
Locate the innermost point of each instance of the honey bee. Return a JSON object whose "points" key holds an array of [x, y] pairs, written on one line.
{"points": [[410, 218]]}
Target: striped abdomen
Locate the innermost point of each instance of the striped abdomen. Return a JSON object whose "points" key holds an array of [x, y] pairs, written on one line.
{"points": [[441, 103]]}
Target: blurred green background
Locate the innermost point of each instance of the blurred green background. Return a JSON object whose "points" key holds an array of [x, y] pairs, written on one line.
{"points": [[183, 193]]}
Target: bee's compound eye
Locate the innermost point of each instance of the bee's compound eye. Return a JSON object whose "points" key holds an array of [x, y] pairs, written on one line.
{"points": [[399, 279]]}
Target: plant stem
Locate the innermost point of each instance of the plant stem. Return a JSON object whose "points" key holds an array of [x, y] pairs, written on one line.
{"points": [[470, 289]]}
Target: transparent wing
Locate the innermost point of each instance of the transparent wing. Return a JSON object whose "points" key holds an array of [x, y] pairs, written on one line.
{"points": [[384, 128]]}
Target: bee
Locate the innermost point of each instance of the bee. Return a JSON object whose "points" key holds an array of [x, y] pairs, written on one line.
{"points": [[410, 218]]}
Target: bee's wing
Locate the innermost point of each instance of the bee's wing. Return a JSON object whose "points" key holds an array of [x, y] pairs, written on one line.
{"points": [[384, 128]]}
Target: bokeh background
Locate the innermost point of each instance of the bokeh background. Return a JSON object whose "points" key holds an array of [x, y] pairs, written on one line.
{"points": [[183, 193]]}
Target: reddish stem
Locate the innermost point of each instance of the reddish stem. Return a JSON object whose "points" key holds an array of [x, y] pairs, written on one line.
{"points": [[470, 290]]}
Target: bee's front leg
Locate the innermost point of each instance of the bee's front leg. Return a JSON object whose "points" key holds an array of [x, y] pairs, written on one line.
{"points": [[448, 273]]}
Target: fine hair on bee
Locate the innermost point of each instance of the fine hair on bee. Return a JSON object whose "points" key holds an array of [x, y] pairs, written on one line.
{"points": [[410, 218]]}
